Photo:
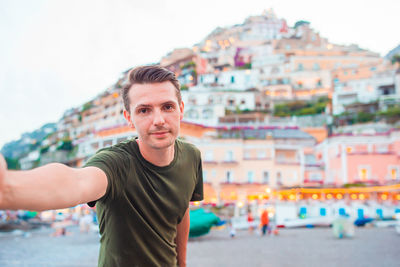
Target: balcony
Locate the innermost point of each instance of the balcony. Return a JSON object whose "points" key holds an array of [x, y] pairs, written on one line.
{"points": [[229, 162], [287, 162], [210, 162]]}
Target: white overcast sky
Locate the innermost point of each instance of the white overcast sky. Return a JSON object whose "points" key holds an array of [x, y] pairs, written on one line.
{"points": [[55, 55]]}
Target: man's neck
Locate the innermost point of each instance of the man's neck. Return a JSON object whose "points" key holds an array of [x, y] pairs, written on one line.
{"points": [[158, 157]]}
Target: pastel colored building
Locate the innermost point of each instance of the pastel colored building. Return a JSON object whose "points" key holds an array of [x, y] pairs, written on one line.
{"points": [[361, 158], [246, 160]]}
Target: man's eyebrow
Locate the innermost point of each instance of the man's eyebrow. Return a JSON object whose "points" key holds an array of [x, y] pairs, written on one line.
{"points": [[169, 102], [149, 106], [142, 106]]}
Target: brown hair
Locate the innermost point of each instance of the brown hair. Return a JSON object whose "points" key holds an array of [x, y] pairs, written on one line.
{"points": [[149, 74]]}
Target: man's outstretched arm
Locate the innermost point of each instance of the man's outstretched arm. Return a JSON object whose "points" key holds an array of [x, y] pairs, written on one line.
{"points": [[52, 186], [182, 235]]}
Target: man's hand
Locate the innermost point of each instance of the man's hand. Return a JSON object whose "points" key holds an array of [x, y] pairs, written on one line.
{"points": [[3, 170]]}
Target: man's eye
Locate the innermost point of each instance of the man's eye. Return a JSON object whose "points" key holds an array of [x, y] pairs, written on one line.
{"points": [[168, 107], [142, 110]]}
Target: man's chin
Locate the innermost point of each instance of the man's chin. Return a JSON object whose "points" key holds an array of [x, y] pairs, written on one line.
{"points": [[162, 144]]}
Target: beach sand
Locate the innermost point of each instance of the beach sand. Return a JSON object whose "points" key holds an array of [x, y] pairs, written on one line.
{"points": [[292, 247]]}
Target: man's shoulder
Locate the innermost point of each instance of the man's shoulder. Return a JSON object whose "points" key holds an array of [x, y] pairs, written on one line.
{"points": [[188, 147]]}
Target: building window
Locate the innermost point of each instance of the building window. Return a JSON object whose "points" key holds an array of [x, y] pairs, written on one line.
{"points": [[278, 178], [394, 173], [319, 83], [213, 173], [383, 148], [204, 176], [300, 67], [229, 155], [229, 177], [247, 154], [250, 177], [363, 172], [261, 154], [299, 84], [192, 100], [247, 79], [315, 176], [207, 114], [209, 155], [192, 114], [275, 70], [231, 101], [266, 177], [316, 66]]}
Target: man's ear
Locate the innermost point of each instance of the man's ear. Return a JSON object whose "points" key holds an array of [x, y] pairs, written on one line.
{"points": [[182, 108], [128, 118]]}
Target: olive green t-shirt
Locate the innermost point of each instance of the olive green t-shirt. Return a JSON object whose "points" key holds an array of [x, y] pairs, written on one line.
{"points": [[144, 203]]}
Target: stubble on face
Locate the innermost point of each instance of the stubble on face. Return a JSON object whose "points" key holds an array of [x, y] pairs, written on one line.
{"points": [[156, 114]]}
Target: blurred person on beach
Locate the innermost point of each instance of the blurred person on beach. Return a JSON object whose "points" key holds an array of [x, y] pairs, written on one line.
{"points": [[85, 221], [250, 221], [142, 186], [264, 222], [232, 230]]}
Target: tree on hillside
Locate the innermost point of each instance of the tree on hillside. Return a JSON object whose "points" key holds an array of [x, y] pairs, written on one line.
{"points": [[396, 59]]}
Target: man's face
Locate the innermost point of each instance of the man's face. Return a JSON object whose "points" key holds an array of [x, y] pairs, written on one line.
{"points": [[155, 113]]}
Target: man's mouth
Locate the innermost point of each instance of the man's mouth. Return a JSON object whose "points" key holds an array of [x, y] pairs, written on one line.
{"points": [[159, 133]]}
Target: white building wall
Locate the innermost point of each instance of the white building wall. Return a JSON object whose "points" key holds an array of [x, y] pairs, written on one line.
{"points": [[206, 106], [361, 90], [238, 80]]}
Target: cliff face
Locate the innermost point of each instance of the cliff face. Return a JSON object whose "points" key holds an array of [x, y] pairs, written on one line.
{"points": [[18, 148]]}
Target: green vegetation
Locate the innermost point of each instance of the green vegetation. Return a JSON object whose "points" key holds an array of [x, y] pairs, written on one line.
{"points": [[298, 108], [44, 149], [246, 66], [184, 87], [66, 144], [12, 164], [87, 106], [354, 185], [300, 22], [391, 115], [188, 65], [396, 59]]}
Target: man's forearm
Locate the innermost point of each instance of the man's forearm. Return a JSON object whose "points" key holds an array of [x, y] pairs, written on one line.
{"points": [[39, 189], [182, 236]]}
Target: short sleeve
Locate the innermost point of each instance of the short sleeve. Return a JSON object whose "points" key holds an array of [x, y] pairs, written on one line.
{"points": [[112, 164], [198, 190]]}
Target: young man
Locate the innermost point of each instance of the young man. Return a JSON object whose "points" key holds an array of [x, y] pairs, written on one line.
{"points": [[142, 187]]}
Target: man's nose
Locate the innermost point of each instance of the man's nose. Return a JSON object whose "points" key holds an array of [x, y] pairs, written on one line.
{"points": [[158, 118]]}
